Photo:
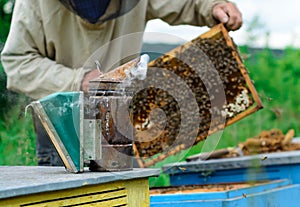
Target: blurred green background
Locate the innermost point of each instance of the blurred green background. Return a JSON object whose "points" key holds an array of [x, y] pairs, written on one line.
{"points": [[275, 74]]}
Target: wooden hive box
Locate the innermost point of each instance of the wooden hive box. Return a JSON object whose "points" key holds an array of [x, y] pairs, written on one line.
{"points": [[269, 193]]}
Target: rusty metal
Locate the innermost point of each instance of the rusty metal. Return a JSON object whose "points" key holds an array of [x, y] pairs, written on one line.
{"points": [[114, 158], [111, 106]]}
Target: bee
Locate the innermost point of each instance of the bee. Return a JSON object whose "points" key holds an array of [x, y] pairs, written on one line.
{"points": [[182, 168], [264, 158]]}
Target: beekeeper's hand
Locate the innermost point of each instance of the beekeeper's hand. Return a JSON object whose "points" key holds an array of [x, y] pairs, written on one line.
{"points": [[89, 76], [228, 14]]}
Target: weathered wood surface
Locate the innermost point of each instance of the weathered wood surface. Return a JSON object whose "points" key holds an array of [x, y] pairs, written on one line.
{"points": [[20, 180]]}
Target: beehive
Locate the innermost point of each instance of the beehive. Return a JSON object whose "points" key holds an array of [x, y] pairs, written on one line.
{"points": [[203, 81]]}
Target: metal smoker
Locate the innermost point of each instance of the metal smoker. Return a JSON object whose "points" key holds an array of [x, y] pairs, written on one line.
{"points": [[94, 129]]}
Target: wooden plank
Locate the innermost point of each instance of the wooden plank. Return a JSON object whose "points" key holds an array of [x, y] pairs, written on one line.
{"points": [[103, 198], [26, 180], [277, 194], [122, 201], [138, 193], [277, 197], [70, 196], [63, 153], [132, 193]]}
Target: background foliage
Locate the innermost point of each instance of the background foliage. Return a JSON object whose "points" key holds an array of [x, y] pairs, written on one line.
{"points": [[5, 18], [275, 73], [17, 140]]}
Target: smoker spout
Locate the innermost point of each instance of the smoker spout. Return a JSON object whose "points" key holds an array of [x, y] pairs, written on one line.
{"points": [[140, 71]]}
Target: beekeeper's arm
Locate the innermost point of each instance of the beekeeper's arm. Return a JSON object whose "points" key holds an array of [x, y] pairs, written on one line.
{"points": [[196, 12]]}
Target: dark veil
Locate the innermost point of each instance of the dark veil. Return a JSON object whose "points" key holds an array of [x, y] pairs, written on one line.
{"points": [[115, 9]]}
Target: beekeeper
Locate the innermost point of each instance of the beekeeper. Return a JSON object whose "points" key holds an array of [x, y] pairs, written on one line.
{"points": [[52, 45]]}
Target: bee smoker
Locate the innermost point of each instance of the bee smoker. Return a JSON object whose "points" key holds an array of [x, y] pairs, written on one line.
{"points": [[94, 129], [110, 98], [111, 107]]}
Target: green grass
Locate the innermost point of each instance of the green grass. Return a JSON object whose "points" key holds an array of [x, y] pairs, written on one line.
{"points": [[17, 138]]}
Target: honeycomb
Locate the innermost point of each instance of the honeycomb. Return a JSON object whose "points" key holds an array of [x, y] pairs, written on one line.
{"points": [[204, 82]]}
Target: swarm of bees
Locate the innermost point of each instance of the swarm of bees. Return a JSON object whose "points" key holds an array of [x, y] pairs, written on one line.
{"points": [[190, 93]]}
